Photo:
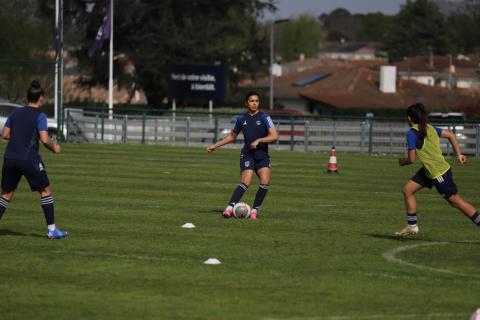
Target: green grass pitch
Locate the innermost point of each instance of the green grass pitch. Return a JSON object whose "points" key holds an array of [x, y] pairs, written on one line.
{"points": [[321, 250]]}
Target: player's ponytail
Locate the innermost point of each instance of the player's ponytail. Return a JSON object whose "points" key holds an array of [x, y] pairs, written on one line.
{"points": [[35, 91], [418, 115]]}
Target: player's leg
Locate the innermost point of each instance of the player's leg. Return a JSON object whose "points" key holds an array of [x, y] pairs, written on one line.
{"points": [[245, 181], [468, 210], [246, 174], [10, 178], [409, 190], [47, 203], [36, 176], [446, 186], [264, 174], [5, 199]]}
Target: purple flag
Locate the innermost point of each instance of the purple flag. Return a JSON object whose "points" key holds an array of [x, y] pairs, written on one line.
{"points": [[103, 32]]}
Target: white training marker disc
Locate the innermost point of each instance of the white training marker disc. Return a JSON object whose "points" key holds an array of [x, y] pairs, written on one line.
{"points": [[212, 261], [188, 225]]}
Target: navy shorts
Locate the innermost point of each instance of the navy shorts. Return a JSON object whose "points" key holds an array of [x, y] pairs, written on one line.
{"points": [[249, 162], [33, 170], [444, 184]]}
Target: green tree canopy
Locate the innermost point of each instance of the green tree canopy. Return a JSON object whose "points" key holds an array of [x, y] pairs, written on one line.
{"points": [[299, 36], [375, 27], [154, 34], [418, 29], [464, 29], [24, 42]]}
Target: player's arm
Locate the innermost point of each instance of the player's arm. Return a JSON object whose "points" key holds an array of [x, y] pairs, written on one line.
{"points": [[412, 144], [462, 159], [410, 159], [6, 133], [271, 137], [48, 143], [6, 128], [228, 139], [42, 127]]}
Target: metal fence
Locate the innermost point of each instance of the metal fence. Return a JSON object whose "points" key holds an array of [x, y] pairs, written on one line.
{"points": [[365, 135]]}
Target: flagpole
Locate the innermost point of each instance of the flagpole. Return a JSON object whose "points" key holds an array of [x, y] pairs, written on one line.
{"points": [[57, 8], [110, 66], [58, 65]]}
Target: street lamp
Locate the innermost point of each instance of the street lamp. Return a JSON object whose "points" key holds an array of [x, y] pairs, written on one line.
{"points": [[272, 30]]}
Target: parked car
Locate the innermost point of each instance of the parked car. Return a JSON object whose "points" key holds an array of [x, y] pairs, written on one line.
{"points": [[7, 107], [453, 121]]}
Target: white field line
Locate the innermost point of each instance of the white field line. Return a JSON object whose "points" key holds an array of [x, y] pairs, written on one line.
{"points": [[390, 256], [381, 316]]}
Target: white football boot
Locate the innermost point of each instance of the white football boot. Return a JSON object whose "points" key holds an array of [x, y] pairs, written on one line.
{"points": [[409, 230]]}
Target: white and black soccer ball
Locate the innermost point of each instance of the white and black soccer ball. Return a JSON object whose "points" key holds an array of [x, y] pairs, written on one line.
{"points": [[241, 210]]}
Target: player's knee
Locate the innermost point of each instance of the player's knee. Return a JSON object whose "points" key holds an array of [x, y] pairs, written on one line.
{"points": [[7, 196], [406, 191], [453, 201], [45, 192]]}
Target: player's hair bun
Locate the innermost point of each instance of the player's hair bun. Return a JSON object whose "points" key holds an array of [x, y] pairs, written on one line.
{"points": [[35, 84], [35, 91]]}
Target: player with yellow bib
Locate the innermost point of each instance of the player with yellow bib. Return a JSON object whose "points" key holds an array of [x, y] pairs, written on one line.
{"points": [[423, 141]]}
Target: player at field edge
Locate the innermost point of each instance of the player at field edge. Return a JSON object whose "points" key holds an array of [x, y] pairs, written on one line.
{"points": [[23, 129], [423, 140], [258, 131]]}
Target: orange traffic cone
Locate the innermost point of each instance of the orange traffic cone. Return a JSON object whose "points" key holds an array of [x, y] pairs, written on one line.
{"points": [[332, 163]]}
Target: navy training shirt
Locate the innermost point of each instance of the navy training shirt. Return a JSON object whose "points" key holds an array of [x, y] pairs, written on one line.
{"points": [[253, 128], [25, 124]]}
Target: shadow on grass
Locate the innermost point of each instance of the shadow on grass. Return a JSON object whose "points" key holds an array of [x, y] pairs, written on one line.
{"points": [[8, 232], [396, 238], [418, 238], [213, 211], [36, 235]]}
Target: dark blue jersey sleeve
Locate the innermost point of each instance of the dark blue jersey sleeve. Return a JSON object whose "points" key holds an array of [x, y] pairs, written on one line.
{"points": [[42, 123], [439, 131], [238, 125]]}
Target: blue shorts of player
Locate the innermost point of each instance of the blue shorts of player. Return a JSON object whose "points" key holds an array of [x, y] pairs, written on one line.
{"points": [[33, 170], [250, 161], [444, 184]]}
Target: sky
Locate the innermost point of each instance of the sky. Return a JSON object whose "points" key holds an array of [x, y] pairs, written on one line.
{"points": [[288, 8]]}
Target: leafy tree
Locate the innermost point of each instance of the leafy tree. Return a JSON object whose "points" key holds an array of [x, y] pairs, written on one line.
{"points": [[300, 36], [464, 29], [24, 40], [341, 24], [375, 27], [154, 34], [418, 29]]}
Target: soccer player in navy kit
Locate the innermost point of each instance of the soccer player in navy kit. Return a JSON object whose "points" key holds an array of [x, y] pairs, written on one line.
{"points": [[23, 129], [258, 130]]}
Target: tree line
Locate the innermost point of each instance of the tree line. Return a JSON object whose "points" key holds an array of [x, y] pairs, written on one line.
{"points": [[153, 34]]}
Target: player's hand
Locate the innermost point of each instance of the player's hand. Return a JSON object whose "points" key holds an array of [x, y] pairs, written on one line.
{"points": [[462, 159], [254, 144], [403, 162], [56, 148], [210, 148]]}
